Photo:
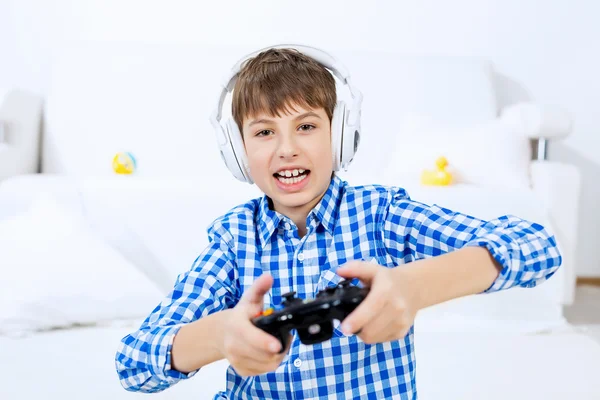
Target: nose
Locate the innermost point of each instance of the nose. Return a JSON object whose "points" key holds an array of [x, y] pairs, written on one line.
{"points": [[287, 147]]}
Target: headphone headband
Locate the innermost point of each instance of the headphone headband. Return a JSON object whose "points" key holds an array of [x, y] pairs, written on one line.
{"points": [[323, 58]]}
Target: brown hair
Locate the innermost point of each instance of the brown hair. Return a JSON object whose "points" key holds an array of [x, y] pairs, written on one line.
{"points": [[275, 79]]}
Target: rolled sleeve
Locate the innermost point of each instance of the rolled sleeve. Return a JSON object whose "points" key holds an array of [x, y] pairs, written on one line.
{"points": [[149, 369], [525, 251], [143, 359]]}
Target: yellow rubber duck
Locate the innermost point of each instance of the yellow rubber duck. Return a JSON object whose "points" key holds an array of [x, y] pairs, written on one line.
{"points": [[439, 177], [124, 163]]}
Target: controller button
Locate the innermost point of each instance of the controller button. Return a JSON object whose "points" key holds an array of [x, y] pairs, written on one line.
{"points": [[345, 283], [267, 312], [314, 329]]}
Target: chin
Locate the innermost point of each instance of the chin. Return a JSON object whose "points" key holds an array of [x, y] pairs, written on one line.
{"points": [[292, 199]]}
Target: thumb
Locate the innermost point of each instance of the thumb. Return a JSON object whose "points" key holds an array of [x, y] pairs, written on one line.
{"points": [[362, 270], [253, 297]]}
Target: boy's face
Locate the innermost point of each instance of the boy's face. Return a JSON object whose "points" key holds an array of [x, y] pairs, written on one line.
{"points": [[290, 157]]}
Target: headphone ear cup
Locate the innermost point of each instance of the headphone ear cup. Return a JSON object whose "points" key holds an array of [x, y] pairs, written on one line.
{"points": [[233, 152], [337, 134], [350, 143], [350, 139]]}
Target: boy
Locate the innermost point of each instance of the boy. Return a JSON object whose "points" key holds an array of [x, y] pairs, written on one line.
{"points": [[308, 232]]}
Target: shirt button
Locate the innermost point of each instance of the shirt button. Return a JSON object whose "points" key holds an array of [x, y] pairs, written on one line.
{"points": [[287, 225], [301, 257], [297, 363]]}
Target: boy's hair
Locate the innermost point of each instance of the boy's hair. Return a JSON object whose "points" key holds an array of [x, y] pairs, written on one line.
{"points": [[275, 79]]}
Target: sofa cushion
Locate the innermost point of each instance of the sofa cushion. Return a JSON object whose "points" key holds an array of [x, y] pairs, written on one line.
{"points": [[155, 101], [57, 273], [488, 154]]}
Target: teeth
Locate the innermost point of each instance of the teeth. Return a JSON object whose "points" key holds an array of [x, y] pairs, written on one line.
{"points": [[291, 172], [290, 181]]}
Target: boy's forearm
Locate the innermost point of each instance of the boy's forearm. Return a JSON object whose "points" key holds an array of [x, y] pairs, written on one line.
{"points": [[198, 343], [463, 272]]}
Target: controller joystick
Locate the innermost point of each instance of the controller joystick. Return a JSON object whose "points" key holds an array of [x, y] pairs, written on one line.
{"points": [[345, 283], [312, 319], [328, 291], [289, 299]]}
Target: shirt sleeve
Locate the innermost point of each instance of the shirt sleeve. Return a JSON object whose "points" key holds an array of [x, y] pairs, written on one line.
{"points": [[526, 252], [143, 359]]}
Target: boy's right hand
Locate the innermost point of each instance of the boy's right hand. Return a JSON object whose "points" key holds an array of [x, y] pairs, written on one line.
{"points": [[250, 350]]}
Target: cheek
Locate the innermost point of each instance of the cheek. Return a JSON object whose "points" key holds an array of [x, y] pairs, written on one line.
{"points": [[323, 152], [258, 158]]}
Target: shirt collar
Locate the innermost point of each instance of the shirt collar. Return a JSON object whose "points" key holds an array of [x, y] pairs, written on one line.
{"points": [[327, 209], [268, 221], [324, 212]]}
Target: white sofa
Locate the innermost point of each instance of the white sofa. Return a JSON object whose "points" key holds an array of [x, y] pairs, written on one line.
{"points": [[154, 100]]}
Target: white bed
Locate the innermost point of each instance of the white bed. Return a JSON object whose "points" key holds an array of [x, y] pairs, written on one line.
{"points": [[79, 364]]}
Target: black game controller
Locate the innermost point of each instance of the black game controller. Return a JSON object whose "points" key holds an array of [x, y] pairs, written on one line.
{"points": [[313, 319]]}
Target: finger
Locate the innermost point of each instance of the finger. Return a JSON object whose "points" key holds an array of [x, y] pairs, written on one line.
{"points": [[239, 346], [256, 293], [258, 353], [261, 340], [397, 334], [377, 330], [248, 351], [368, 310], [359, 269], [256, 367]]}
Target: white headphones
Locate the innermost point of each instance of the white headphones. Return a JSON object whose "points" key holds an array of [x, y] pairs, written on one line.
{"points": [[345, 123]]}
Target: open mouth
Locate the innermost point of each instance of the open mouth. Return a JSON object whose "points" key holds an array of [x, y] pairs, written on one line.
{"points": [[291, 176]]}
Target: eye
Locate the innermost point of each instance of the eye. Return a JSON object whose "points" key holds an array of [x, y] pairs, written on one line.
{"points": [[264, 132], [306, 127]]}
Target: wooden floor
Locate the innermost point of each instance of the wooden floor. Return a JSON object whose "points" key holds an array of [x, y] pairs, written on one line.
{"points": [[592, 281], [585, 311]]}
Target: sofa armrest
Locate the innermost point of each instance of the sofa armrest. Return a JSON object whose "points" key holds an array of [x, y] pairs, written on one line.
{"points": [[538, 121], [558, 185], [9, 161], [21, 116]]}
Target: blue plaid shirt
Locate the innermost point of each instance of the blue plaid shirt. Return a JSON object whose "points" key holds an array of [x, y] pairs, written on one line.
{"points": [[375, 223]]}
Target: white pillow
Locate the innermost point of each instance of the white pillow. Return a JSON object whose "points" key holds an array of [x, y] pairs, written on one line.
{"points": [[56, 273], [490, 154]]}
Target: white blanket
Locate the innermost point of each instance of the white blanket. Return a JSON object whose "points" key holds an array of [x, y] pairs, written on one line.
{"points": [[451, 366]]}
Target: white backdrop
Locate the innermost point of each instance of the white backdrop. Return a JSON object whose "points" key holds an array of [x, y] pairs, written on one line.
{"points": [[547, 45]]}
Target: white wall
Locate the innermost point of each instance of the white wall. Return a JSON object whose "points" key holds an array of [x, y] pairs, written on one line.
{"points": [[549, 46]]}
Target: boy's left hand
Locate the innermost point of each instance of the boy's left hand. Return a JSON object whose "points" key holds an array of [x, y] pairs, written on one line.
{"points": [[389, 310]]}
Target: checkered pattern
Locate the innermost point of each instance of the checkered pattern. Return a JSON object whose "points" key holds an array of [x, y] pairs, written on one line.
{"points": [[372, 223]]}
